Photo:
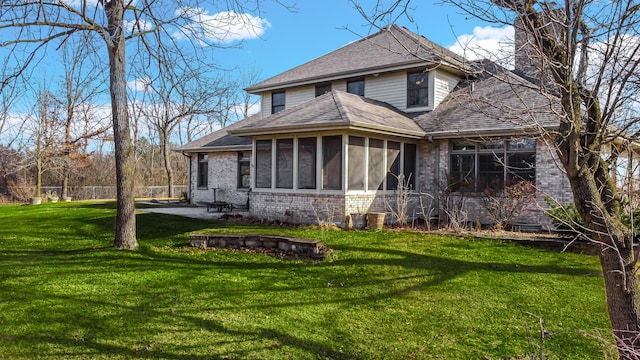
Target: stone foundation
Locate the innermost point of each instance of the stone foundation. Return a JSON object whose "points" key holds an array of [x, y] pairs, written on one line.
{"points": [[314, 249]]}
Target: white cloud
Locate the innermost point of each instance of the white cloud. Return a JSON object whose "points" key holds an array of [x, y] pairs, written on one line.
{"points": [[141, 85], [487, 42], [221, 27]]}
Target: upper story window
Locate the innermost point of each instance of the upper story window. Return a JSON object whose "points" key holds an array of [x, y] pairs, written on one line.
{"points": [[418, 89], [277, 101], [356, 87], [323, 89]]}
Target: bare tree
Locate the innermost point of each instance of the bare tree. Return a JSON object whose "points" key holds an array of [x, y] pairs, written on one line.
{"points": [[79, 122], [586, 58], [179, 90], [149, 25]]}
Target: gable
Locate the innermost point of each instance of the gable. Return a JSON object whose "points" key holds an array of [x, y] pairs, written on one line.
{"points": [[392, 48]]}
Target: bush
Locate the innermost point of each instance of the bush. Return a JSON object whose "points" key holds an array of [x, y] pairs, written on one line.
{"points": [[565, 218]]}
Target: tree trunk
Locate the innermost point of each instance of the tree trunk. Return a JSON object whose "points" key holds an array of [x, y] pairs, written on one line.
{"points": [[125, 231], [64, 191], [166, 157], [618, 261]]}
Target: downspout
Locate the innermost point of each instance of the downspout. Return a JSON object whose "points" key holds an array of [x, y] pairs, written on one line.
{"points": [[437, 174], [189, 178]]}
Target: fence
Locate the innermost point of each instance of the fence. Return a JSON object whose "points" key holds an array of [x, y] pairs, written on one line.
{"points": [[109, 192]]}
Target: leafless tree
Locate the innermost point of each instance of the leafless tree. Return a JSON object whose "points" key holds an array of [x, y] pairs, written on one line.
{"points": [[586, 56], [79, 121], [32, 27], [175, 91]]}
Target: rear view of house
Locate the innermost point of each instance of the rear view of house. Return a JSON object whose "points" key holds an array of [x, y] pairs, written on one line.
{"points": [[393, 112]]}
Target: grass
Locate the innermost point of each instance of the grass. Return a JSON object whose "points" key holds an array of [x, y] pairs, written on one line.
{"points": [[66, 293]]}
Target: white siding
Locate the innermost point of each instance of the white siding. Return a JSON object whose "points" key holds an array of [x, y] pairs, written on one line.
{"points": [[444, 83], [266, 104], [390, 88], [299, 95]]}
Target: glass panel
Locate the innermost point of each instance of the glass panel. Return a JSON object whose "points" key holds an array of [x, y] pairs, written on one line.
{"points": [[493, 145], [307, 163], [462, 177], [464, 146], [277, 101], [393, 164], [263, 164], [417, 89], [356, 163], [244, 169], [522, 166], [332, 162], [322, 89], [356, 87], [376, 165], [409, 169], [521, 144], [284, 163], [203, 170], [490, 172]]}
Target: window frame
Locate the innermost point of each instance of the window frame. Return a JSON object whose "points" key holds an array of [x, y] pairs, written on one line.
{"points": [[322, 89], [267, 148], [422, 89], [356, 82], [203, 171], [244, 170], [278, 106], [473, 162]]}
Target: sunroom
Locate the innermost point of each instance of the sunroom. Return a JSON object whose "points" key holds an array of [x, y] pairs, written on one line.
{"points": [[338, 154]]}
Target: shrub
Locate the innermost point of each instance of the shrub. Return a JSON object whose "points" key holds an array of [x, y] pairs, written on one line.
{"points": [[502, 206], [565, 217]]}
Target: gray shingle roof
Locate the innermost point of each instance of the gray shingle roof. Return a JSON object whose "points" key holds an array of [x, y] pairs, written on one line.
{"points": [[336, 110], [392, 46], [497, 102], [218, 140]]}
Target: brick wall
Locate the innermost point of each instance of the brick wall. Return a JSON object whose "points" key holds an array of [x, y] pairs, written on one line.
{"points": [[223, 176], [550, 181]]}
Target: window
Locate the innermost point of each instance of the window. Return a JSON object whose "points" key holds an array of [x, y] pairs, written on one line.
{"points": [[417, 89], [376, 164], [356, 87], [323, 89], [244, 170], [203, 170], [307, 149], [393, 165], [263, 163], [277, 101], [491, 165], [409, 165], [357, 152], [284, 163], [332, 162]]}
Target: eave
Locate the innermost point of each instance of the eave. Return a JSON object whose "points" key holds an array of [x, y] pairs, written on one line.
{"points": [[328, 127]]}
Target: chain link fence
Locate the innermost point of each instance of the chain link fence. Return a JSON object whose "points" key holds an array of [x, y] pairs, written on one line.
{"points": [[109, 192]]}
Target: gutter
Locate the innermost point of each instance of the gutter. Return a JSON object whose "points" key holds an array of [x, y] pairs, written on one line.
{"points": [[415, 134]]}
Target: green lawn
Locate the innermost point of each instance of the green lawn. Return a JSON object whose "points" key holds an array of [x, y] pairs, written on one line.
{"points": [[65, 293]]}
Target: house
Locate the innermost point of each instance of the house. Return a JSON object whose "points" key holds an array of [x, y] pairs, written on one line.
{"points": [[343, 133]]}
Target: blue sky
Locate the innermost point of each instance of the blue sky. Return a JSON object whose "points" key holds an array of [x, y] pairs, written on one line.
{"points": [[318, 27], [290, 38]]}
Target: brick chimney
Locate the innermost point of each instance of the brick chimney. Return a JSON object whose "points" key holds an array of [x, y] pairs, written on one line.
{"points": [[527, 58]]}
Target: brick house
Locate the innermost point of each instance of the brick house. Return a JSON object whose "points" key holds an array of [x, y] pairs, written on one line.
{"points": [[336, 135]]}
